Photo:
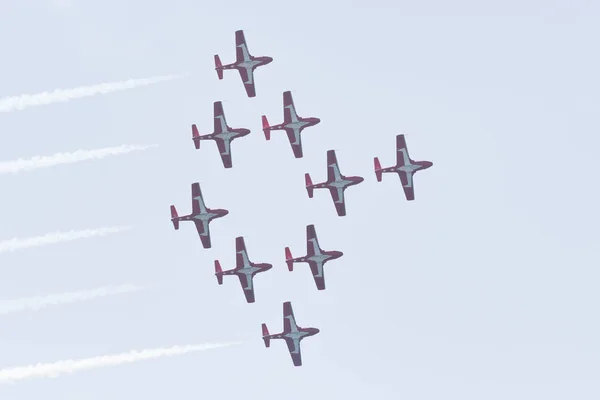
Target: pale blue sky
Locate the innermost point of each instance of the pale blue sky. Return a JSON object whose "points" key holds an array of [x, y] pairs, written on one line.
{"points": [[486, 286]]}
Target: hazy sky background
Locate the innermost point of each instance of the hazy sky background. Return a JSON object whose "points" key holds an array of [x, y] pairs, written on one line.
{"points": [[484, 287]]}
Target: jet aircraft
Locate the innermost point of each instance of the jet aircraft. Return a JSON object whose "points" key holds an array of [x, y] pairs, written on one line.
{"points": [[244, 269], [336, 183], [244, 63], [201, 215], [292, 124], [223, 134], [292, 334], [405, 167], [315, 257]]}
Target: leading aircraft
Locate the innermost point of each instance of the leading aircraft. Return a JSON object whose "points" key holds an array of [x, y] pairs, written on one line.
{"points": [[223, 134], [336, 183], [244, 269], [201, 215], [292, 334], [315, 257], [244, 63], [292, 124], [405, 167]]}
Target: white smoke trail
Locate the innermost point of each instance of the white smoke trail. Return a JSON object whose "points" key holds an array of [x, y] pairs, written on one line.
{"points": [[57, 237], [67, 158], [16, 103], [39, 302], [53, 370]]}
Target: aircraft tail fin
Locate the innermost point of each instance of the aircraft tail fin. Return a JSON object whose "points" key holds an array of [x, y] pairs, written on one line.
{"points": [[174, 218], [218, 272], [265, 125], [265, 335], [218, 67], [378, 168], [309, 185], [196, 136], [289, 259]]}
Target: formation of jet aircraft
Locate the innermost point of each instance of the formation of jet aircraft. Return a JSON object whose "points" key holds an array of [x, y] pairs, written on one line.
{"points": [[336, 182]]}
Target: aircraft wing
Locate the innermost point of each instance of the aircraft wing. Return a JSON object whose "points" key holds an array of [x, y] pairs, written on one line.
{"points": [[295, 141], [339, 201], [407, 184], [289, 111], [203, 232], [289, 321], [316, 267], [289, 325], [294, 349], [198, 206], [241, 255], [247, 286], [247, 75], [402, 157], [333, 169], [241, 48], [224, 146], [219, 117], [312, 243]]}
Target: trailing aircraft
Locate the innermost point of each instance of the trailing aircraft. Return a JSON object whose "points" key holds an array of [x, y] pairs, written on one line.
{"points": [[292, 334], [245, 63], [201, 215]]}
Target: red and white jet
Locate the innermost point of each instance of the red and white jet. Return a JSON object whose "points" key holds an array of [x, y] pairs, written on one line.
{"points": [[336, 183], [244, 269], [244, 63], [292, 124], [405, 167], [201, 215], [292, 334], [315, 257], [223, 134]]}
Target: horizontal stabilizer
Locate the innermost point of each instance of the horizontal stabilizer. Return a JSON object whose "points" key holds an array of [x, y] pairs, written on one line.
{"points": [[218, 272], [218, 67], [266, 130], [309, 185], [378, 172], [289, 258], [265, 334], [196, 136], [174, 218]]}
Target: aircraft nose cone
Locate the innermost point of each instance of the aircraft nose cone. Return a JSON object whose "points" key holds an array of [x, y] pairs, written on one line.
{"points": [[428, 164], [225, 212], [359, 179], [315, 331], [267, 267], [268, 60]]}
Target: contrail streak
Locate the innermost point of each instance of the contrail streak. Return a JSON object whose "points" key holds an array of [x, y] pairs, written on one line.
{"points": [[53, 370], [39, 302], [17, 103], [67, 158], [56, 237]]}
